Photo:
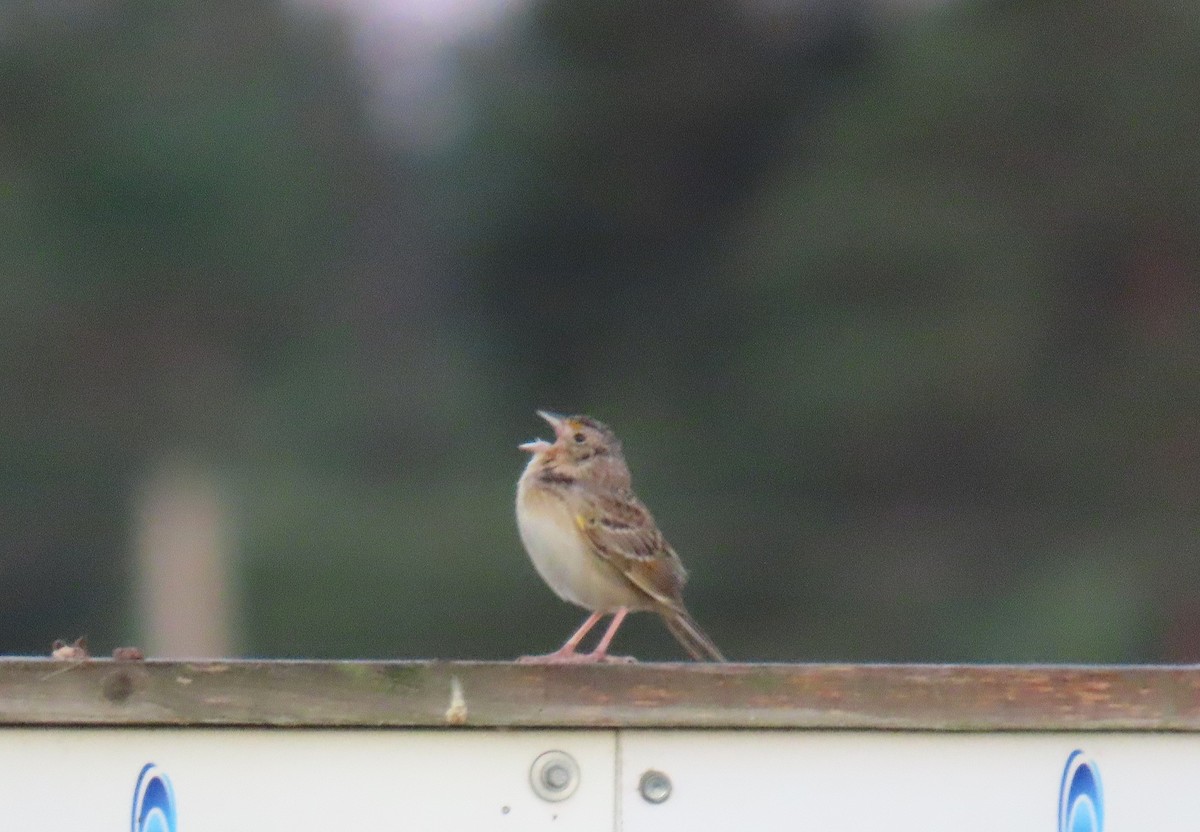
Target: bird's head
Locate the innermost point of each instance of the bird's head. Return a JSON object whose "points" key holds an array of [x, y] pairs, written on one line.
{"points": [[581, 445]]}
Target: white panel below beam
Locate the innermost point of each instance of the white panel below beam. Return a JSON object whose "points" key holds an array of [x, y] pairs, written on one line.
{"points": [[834, 781]]}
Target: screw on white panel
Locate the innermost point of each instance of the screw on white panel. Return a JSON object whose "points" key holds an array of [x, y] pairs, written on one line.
{"points": [[654, 786], [554, 776]]}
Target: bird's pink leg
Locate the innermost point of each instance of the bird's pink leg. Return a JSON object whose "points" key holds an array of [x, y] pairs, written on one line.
{"points": [[567, 653], [601, 651]]}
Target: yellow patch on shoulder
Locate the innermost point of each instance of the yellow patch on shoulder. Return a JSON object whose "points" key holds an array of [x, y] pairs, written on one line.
{"points": [[581, 522]]}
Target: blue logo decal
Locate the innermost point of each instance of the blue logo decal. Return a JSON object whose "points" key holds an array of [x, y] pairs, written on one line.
{"points": [[153, 802], [1080, 797]]}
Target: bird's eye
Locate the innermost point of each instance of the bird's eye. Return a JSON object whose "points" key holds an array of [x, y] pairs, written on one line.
{"points": [[579, 437]]}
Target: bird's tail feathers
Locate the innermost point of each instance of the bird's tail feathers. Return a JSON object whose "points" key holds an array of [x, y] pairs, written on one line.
{"points": [[688, 633]]}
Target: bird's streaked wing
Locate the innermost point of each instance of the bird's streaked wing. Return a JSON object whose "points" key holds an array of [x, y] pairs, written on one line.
{"points": [[623, 533]]}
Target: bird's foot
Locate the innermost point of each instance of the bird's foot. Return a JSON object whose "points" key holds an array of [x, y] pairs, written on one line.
{"points": [[607, 659], [571, 657]]}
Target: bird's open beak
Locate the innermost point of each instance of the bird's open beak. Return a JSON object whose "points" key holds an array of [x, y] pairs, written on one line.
{"points": [[538, 445], [557, 421]]}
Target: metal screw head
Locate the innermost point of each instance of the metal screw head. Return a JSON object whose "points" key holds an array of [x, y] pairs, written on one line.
{"points": [[654, 786], [554, 776]]}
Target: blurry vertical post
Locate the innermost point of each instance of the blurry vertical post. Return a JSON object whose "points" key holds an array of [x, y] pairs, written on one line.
{"points": [[184, 589]]}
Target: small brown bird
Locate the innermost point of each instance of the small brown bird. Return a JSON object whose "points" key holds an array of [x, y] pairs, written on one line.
{"points": [[594, 543]]}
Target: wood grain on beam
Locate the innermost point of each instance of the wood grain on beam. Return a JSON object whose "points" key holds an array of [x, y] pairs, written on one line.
{"points": [[501, 695]]}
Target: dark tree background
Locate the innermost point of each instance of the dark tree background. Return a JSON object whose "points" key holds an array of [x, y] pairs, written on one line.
{"points": [[897, 315]]}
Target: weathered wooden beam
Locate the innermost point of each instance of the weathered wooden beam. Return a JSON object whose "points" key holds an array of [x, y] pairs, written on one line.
{"points": [[502, 695]]}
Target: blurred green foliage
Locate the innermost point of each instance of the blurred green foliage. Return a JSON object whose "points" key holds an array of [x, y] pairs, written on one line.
{"points": [[897, 317]]}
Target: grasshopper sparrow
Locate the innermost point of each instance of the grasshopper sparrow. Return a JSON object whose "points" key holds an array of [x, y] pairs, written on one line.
{"points": [[594, 543]]}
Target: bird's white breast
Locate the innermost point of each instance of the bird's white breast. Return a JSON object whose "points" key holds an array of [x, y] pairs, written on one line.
{"points": [[562, 557]]}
